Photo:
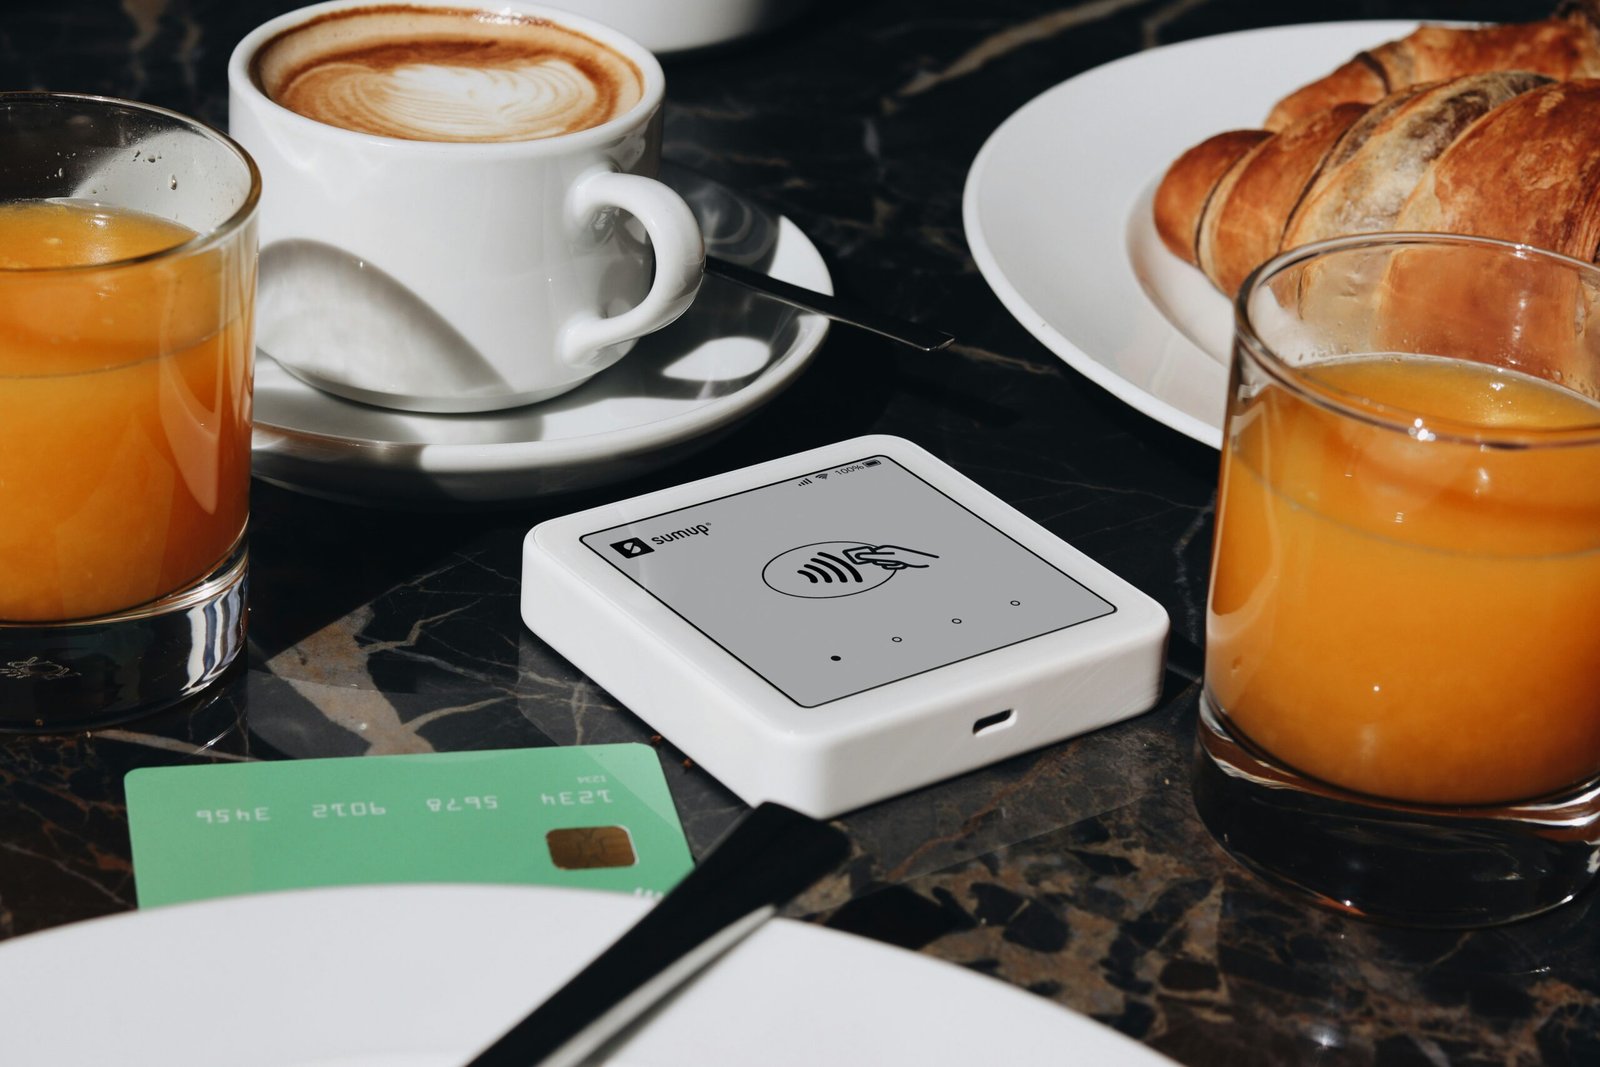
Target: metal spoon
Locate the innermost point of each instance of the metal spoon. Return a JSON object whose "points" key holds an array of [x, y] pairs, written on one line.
{"points": [[907, 333]]}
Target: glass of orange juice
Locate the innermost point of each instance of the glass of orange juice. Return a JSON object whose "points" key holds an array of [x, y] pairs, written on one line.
{"points": [[1401, 712], [127, 281]]}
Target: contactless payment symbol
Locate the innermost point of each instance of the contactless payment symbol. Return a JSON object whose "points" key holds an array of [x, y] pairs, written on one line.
{"points": [[631, 547], [839, 568]]}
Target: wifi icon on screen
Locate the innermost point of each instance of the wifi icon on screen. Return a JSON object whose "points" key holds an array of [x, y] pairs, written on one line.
{"points": [[823, 475]]}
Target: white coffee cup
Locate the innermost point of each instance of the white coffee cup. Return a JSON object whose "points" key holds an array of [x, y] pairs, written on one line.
{"points": [[456, 276]]}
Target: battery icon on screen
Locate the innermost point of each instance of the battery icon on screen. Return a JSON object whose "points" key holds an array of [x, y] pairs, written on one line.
{"points": [[871, 462]]}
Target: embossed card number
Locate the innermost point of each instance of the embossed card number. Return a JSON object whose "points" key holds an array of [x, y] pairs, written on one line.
{"points": [[495, 817]]}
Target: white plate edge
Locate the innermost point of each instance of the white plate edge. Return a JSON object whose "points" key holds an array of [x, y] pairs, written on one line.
{"points": [[1039, 326], [1054, 1020]]}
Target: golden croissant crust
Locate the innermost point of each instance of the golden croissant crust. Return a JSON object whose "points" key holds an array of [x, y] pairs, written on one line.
{"points": [[1507, 154], [1565, 46]]}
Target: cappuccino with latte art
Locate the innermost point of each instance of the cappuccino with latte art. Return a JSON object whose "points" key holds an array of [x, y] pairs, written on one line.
{"points": [[446, 74], [459, 208]]}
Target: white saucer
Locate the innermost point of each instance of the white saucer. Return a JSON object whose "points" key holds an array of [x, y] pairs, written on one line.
{"points": [[733, 351]]}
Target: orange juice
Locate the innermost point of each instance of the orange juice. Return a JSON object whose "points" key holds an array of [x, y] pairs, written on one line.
{"points": [[1412, 615], [124, 408]]}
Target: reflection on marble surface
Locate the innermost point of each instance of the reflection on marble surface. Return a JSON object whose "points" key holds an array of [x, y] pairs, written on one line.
{"points": [[1079, 871]]}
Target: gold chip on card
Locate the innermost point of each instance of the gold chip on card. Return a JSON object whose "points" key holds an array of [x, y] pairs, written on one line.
{"points": [[582, 848]]}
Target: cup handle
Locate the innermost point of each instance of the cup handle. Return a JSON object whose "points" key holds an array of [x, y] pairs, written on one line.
{"points": [[680, 255]]}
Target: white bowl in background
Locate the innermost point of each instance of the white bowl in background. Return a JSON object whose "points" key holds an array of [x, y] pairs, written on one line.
{"points": [[667, 26]]}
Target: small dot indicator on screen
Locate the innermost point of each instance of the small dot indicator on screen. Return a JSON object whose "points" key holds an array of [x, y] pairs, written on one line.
{"points": [[834, 658], [956, 621], [1016, 603], [896, 640]]}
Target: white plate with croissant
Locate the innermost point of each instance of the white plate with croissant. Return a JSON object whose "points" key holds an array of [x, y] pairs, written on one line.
{"points": [[1113, 213]]}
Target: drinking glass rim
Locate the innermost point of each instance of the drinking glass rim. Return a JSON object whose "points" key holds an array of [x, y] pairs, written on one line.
{"points": [[200, 241], [1353, 405]]}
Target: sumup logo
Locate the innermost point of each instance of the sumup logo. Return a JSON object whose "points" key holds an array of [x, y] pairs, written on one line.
{"points": [[678, 535], [633, 547]]}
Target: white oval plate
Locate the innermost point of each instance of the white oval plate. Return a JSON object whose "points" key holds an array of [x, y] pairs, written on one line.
{"points": [[1056, 209], [425, 976], [679, 388]]}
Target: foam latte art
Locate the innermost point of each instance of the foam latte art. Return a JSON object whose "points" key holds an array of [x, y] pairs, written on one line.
{"points": [[435, 103], [447, 75]]}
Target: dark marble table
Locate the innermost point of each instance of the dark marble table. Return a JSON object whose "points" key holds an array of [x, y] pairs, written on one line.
{"points": [[1079, 872]]}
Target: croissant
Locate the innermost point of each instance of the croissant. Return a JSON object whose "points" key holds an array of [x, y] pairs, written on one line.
{"points": [[1565, 46], [1181, 198], [1528, 171], [1363, 189], [1241, 223], [1507, 154]]}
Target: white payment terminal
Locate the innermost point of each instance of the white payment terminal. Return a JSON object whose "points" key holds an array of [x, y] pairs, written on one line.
{"points": [[841, 625]]}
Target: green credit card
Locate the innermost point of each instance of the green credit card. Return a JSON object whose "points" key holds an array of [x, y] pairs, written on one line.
{"points": [[591, 816]]}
